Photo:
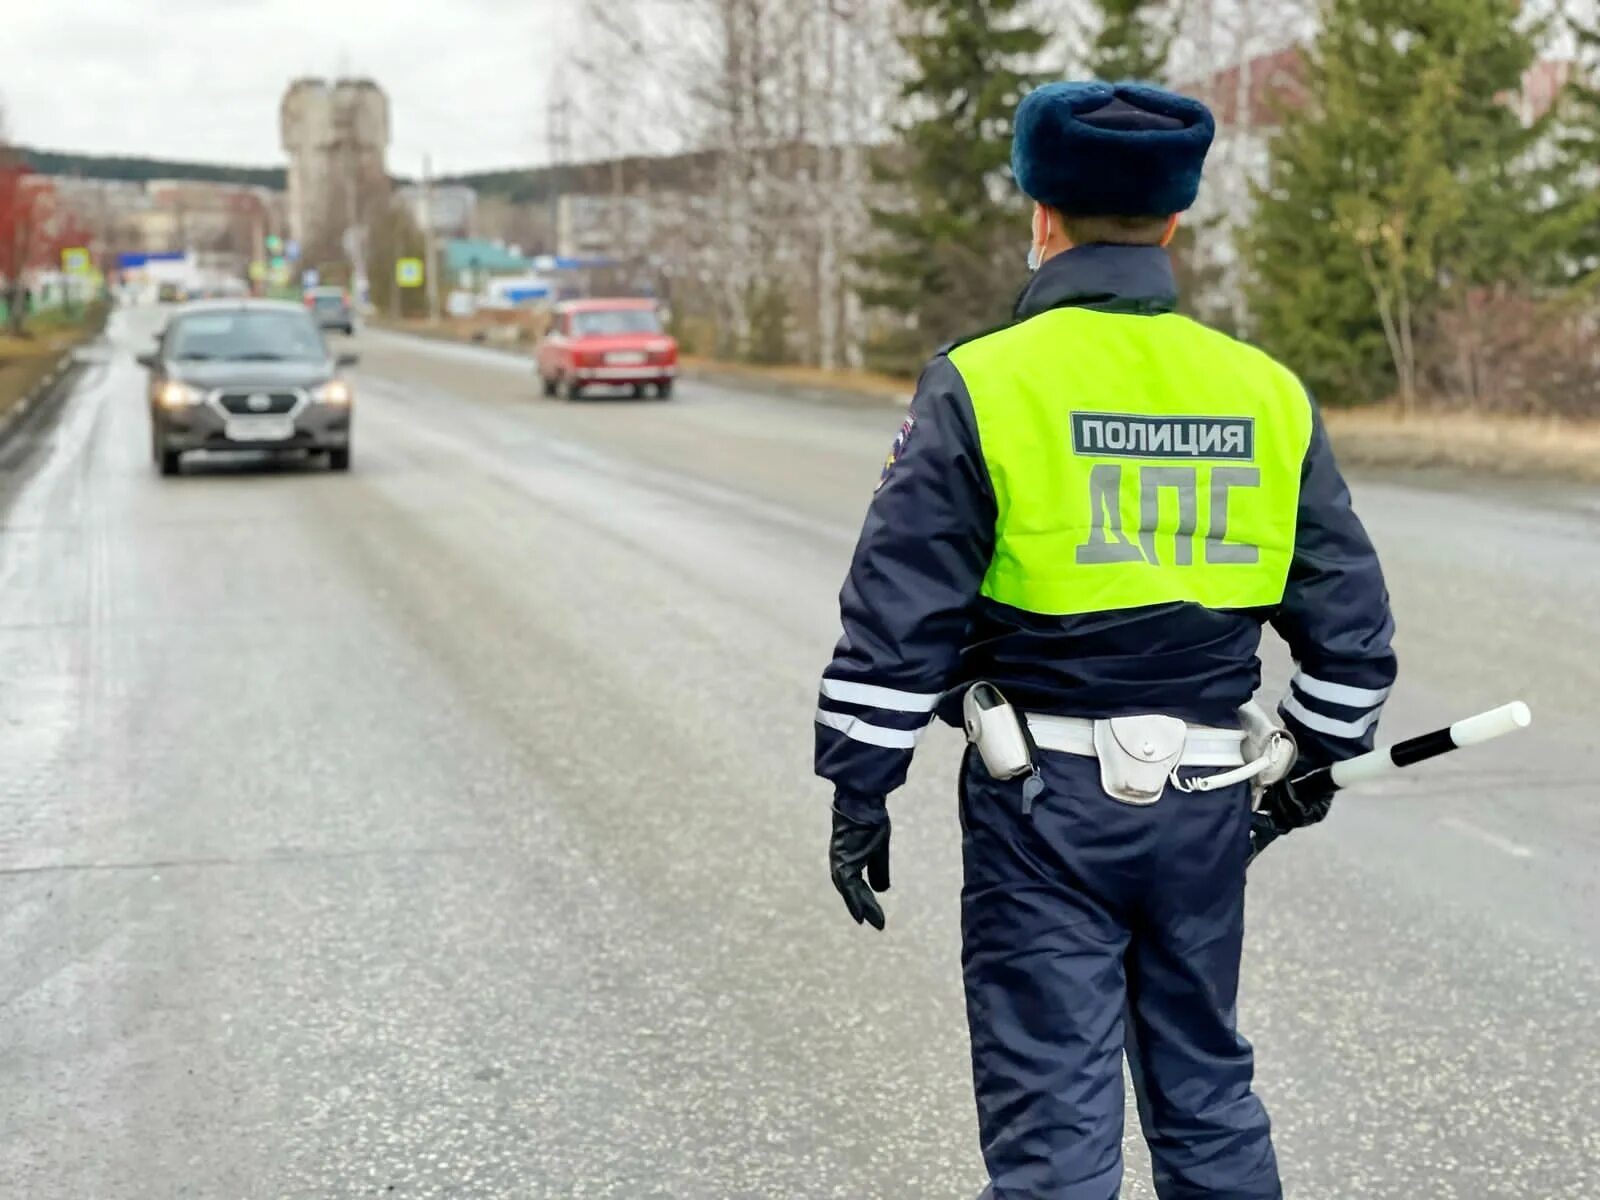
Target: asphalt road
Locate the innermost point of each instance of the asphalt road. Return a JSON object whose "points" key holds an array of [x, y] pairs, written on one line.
{"points": [[446, 829]]}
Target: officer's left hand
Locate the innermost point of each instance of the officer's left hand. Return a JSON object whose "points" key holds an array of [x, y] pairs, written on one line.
{"points": [[854, 847]]}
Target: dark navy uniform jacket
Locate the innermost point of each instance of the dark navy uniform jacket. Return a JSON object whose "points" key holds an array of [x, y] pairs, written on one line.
{"points": [[917, 631]]}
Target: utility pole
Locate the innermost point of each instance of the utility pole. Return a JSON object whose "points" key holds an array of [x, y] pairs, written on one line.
{"points": [[559, 130], [619, 217], [349, 144], [258, 246], [829, 150], [430, 265]]}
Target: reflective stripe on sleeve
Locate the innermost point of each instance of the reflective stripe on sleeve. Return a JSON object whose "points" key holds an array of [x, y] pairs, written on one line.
{"points": [[1338, 693], [1329, 725], [879, 697], [858, 730]]}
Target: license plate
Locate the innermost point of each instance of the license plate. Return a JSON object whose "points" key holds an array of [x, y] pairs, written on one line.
{"points": [[259, 429], [625, 358]]}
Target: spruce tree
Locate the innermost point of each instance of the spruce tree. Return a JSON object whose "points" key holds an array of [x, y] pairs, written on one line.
{"points": [[1402, 178], [1569, 236], [955, 232], [1133, 42]]}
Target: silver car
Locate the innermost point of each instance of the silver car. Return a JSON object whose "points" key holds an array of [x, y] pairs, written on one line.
{"points": [[247, 375], [331, 307]]}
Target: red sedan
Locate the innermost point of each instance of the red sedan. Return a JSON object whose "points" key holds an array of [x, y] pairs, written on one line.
{"points": [[619, 343]]}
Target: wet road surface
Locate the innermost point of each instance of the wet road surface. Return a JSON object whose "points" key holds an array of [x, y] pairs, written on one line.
{"points": [[446, 829]]}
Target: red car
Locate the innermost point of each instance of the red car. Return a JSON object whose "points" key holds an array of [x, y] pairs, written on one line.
{"points": [[619, 343]]}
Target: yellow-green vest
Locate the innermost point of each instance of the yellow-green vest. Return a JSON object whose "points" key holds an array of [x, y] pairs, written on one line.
{"points": [[1135, 460]]}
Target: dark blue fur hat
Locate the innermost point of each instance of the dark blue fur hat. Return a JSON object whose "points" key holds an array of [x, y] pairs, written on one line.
{"points": [[1110, 149]]}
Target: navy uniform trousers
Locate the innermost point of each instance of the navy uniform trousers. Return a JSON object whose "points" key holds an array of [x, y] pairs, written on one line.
{"points": [[1089, 927]]}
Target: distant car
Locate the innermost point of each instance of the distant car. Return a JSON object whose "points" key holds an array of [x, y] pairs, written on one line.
{"points": [[332, 308], [613, 342], [168, 293], [247, 375]]}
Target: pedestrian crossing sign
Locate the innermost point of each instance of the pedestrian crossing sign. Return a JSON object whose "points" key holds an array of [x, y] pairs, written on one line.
{"points": [[75, 260], [408, 272]]}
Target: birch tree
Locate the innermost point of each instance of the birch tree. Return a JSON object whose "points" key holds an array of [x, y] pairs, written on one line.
{"points": [[773, 103]]}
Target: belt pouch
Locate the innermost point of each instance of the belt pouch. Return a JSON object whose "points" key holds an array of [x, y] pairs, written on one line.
{"points": [[1138, 755]]}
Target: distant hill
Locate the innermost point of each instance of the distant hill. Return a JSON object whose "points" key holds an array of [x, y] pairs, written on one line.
{"points": [[526, 185], [519, 185], [537, 184], [139, 170]]}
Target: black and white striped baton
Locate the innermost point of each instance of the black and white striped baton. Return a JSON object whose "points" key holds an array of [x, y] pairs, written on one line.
{"points": [[1319, 785]]}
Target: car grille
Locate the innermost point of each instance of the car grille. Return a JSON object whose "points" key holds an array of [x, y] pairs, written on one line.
{"points": [[278, 402]]}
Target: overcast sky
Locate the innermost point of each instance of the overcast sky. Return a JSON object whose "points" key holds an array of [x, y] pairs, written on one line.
{"points": [[201, 79]]}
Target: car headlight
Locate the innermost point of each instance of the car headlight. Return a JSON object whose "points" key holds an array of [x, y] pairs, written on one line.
{"points": [[335, 391], [174, 394]]}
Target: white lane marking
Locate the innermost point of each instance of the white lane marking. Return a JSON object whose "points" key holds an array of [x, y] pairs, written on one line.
{"points": [[1488, 838]]}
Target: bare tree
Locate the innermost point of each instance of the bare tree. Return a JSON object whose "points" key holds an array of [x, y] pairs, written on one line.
{"points": [[22, 219], [771, 103], [1241, 57]]}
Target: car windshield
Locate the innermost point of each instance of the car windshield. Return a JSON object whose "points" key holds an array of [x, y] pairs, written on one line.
{"points": [[605, 321], [247, 335]]}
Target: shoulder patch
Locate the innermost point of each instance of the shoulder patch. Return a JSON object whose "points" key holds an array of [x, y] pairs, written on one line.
{"points": [[899, 447]]}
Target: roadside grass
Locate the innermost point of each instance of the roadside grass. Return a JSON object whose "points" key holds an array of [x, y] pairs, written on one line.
{"points": [[25, 360], [1522, 446]]}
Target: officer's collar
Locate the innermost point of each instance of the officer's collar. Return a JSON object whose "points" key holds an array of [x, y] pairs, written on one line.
{"points": [[1136, 279]]}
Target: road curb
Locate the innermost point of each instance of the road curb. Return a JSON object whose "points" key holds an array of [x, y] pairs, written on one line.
{"points": [[1364, 451], [514, 350], [58, 375], [729, 377]]}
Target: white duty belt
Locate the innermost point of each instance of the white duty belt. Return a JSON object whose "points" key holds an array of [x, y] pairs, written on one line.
{"points": [[1203, 746], [1140, 756]]}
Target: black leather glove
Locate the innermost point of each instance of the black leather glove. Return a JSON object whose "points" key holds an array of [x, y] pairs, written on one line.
{"points": [[1285, 807], [1294, 807], [1262, 834], [858, 846]]}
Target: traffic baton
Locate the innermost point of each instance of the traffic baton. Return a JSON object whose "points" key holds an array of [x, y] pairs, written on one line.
{"points": [[1324, 781]]}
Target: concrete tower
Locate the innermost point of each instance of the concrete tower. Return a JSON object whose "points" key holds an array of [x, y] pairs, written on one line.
{"points": [[335, 136]]}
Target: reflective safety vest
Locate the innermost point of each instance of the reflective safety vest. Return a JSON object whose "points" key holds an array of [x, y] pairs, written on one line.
{"points": [[1135, 460]]}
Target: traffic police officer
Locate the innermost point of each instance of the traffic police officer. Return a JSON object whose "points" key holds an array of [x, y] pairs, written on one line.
{"points": [[1095, 510]]}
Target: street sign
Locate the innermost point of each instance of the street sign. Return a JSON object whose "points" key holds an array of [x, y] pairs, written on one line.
{"points": [[291, 250], [274, 243], [408, 272], [75, 260], [310, 277], [258, 271]]}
